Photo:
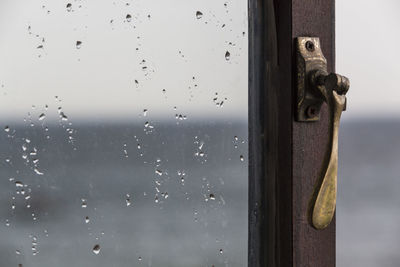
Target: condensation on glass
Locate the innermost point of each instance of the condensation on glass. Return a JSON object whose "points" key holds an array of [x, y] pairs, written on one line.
{"points": [[123, 133]]}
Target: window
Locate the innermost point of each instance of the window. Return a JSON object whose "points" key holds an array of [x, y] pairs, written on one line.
{"points": [[125, 133], [160, 133]]}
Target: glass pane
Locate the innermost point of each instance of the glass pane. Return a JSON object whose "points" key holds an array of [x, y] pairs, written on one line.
{"points": [[124, 138], [368, 215]]}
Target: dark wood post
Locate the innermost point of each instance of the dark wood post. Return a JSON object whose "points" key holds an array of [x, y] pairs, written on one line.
{"points": [[286, 157]]}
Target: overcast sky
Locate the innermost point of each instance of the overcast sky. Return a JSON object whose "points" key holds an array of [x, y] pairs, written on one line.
{"points": [[367, 42], [130, 52], [107, 76]]}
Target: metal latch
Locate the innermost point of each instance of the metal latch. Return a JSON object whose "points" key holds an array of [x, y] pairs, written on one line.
{"points": [[314, 87]]}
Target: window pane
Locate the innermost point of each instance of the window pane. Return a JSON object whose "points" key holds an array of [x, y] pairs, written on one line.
{"points": [[124, 137]]}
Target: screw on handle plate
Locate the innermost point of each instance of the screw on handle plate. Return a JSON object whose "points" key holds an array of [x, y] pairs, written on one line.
{"points": [[314, 87]]}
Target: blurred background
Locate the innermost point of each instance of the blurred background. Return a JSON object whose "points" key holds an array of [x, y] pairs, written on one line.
{"points": [[368, 211]]}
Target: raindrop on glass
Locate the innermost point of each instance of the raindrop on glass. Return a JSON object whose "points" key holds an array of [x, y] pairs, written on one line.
{"points": [[125, 151], [37, 171], [227, 55], [84, 204], [241, 158], [96, 249], [63, 116], [42, 116], [78, 44], [128, 200], [199, 15], [128, 18], [7, 129]]}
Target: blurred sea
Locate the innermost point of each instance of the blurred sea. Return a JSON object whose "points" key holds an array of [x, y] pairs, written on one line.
{"points": [[368, 208], [174, 195], [154, 195]]}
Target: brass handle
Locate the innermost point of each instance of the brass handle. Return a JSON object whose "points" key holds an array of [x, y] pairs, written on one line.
{"points": [[333, 88], [315, 86]]}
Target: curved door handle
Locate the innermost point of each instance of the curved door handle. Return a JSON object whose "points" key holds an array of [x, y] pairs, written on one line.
{"points": [[315, 86]]}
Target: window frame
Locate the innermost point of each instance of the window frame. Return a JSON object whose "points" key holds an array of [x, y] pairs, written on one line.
{"points": [[285, 157]]}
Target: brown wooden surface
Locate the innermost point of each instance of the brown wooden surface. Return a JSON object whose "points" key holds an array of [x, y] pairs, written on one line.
{"points": [[308, 141], [285, 157]]}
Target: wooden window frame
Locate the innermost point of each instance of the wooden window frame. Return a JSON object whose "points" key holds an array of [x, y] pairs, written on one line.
{"points": [[285, 157]]}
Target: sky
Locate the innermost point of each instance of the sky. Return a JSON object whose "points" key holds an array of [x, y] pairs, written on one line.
{"points": [[367, 41], [172, 62], [184, 57]]}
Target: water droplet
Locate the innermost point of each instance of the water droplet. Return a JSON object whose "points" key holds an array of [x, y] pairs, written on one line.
{"points": [[128, 17], [140, 258], [78, 44], [18, 252], [37, 171], [241, 158], [125, 151], [199, 15], [221, 251], [7, 223], [145, 112], [227, 55], [159, 172], [63, 116], [7, 129], [212, 196], [42, 116], [96, 249], [128, 200], [69, 7], [19, 184], [87, 220], [84, 204]]}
